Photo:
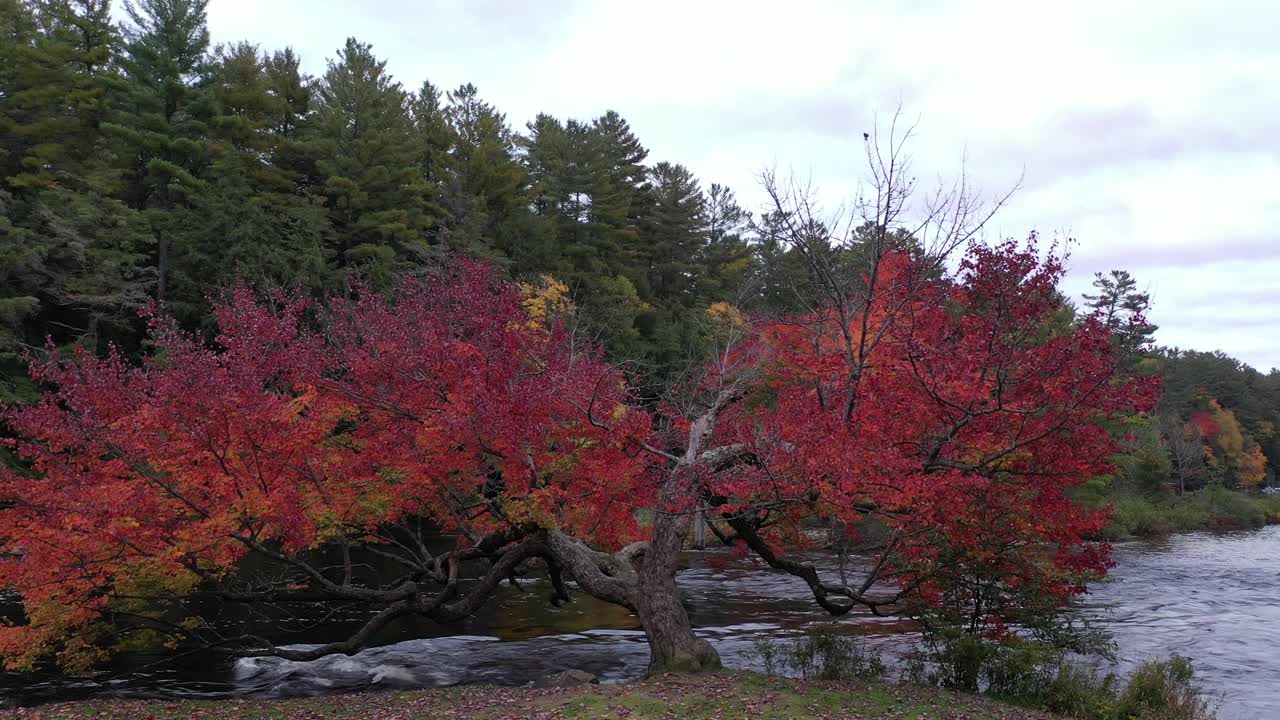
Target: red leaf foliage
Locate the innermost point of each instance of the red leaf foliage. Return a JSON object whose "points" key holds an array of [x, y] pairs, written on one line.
{"points": [[956, 411], [300, 423]]}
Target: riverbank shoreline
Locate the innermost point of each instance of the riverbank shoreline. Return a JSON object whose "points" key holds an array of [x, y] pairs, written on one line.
{"points": [[729, 694], [1208, 510]]}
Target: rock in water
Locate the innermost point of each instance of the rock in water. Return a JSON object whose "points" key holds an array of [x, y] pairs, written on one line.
{"points": [[566, 678]]}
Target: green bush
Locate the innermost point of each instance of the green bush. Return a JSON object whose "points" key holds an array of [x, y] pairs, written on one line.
{"points": [[1159, 690], [1021, 669], [1013, 666], [1136, 515], [1213, 508], [1231, 510], [821, 653], [1076, 692], [770, 653], [1270, 509], [1043, 675], [956, 661], [1162, 690]]}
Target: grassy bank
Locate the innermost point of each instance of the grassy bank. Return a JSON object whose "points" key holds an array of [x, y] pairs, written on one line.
{"points": [[1211, 509], [703, 697]]}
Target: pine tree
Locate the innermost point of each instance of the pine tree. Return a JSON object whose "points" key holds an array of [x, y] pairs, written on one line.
{"points": [[258, 221], [727, 262], [589, 179], [376, 195], [435, 136], [1123, 309], [18, 37], [615, 185], [164, 125], [546, 154], [609, 182], [666, 254], [784, 281], [58, 82], [484, 187], [553, 159], [675, 234], [72, 265], [587, 191], [291, 121]]}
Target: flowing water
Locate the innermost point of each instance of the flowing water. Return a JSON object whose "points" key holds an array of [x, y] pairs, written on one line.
{"points": [[1213, 598]]}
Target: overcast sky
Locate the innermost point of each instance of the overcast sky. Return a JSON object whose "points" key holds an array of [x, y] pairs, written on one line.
{"points": [[1148, 131]]}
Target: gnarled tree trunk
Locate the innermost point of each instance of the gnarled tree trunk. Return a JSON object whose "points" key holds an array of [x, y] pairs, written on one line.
{"points": [[642, 577], [672, 645]]}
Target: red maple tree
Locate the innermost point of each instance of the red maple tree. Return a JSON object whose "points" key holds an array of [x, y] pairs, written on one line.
{"points": [[303, 427], [949, 412], [956, 412]]}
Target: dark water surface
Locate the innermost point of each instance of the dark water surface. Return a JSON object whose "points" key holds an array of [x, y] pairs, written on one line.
{"points": [[1213, 598]]}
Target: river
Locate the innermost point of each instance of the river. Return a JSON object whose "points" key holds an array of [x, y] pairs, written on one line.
{"points": [[1213, 598]]}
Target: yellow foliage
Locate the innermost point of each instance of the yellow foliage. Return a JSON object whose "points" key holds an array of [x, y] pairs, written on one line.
{"points": [[1229, 439], [51, 626], [1253, 468], [1241, 458], [548, 297], [1264, 431], [742, 264], [725, 316], [156, 576]]}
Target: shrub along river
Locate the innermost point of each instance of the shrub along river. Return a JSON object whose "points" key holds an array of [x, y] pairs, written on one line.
{"points": [[1213, 598]]}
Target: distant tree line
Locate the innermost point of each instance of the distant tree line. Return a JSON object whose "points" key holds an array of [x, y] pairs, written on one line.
{"points": [[1218, 420]]}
